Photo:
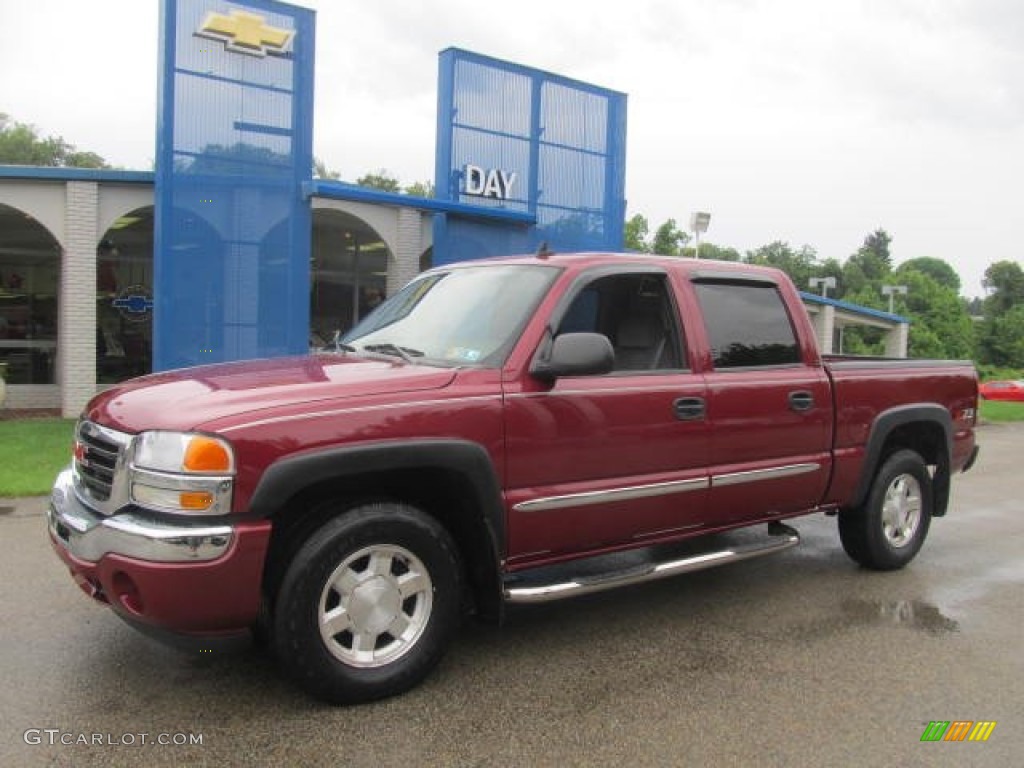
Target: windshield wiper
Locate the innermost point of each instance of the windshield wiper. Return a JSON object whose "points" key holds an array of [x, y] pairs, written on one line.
{"points": [[405, 353], [339, 346]]}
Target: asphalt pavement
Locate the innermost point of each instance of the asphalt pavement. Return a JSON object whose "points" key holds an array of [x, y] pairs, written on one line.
{"points": [[797, 659]]}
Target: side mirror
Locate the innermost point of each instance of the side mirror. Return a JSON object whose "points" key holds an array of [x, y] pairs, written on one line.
{"points": [[574, 354]]}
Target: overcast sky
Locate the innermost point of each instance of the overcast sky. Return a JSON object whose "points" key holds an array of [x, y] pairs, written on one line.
{"points": [[808, 121]]}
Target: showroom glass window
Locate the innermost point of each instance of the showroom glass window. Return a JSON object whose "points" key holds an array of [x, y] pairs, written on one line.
{"points": [[29, 282], [348, 275], [124, 298]]}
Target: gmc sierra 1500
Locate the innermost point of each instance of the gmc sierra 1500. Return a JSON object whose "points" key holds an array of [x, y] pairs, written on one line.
{"points": [[505, 431]]}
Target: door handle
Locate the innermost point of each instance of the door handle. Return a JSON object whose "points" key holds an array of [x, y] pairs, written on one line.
{"points": [[801, 401], [689, 408]]}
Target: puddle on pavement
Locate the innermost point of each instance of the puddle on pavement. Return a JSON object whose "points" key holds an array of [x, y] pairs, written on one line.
{"points": [[911, 614]]}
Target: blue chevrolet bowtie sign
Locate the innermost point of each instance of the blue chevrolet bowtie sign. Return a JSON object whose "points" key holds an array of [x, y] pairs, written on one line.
{"points": [[133, 304]]}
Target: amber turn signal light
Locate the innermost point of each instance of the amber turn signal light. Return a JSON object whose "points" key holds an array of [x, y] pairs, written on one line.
{"points": [[195, 500], [204, 454]]}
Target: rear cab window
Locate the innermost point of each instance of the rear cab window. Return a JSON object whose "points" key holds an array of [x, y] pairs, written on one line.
{"points": [[747, 323]]}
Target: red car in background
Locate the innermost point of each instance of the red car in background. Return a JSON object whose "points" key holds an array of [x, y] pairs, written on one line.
{"points": [[1003, 390]]}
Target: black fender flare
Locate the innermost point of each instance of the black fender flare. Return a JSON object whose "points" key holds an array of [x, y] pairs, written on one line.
{"points": [[889, 421], [289, 476]]}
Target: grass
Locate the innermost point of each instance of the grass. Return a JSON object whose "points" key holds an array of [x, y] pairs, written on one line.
{"points": [[32, 452], [1000, 410]]}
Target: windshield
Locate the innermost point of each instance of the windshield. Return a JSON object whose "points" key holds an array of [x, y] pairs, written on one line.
{"points": [[466, 316]]}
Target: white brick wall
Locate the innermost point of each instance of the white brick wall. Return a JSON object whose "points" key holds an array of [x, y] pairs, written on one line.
{"points": [[25, 396], [77, 339], [824, 327], [896, 341], [407, 256]]}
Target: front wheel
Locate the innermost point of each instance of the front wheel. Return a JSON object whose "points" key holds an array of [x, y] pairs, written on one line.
{"points": [[887, 532], [368, 604]]}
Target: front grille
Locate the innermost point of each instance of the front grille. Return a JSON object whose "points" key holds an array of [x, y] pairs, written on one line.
{"points": [[96, 457]]}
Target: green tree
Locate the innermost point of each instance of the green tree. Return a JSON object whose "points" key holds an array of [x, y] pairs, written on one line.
{"points": [[420, 189], [871, 263], [1001, 333], [1001, 340], [877, 244], [937, 269], [940, 325], [321, 171], [636, 230], [20, 144], [1004, 280], [712, 251], [669, 239], [800, 265], [382, 180]]}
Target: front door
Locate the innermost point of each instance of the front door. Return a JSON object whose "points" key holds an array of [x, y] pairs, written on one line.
{"points": [[597, 462]]}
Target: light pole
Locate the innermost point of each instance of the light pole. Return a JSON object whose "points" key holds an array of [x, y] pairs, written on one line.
{"points": [[891, 291], [824, 282], [699, 221]]}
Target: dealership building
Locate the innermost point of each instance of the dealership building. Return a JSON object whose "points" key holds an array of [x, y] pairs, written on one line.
{"points": [[232, 250]]}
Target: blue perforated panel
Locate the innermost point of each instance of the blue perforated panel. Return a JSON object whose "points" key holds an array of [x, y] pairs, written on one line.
{"points": [[560, 142], [234, 145]]}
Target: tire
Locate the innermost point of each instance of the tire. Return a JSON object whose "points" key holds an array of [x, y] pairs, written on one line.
{"points": [[368, 604], [887, 532]]}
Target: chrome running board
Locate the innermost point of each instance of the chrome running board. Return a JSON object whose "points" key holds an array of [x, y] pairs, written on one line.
{"points": [[782, 537]]}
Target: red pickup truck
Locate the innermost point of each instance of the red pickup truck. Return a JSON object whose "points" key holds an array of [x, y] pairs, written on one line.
{"points": [[504, 431]]}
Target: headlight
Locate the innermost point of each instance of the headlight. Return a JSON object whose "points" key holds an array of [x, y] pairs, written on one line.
{"points": [[182, 472], [183, 452]]}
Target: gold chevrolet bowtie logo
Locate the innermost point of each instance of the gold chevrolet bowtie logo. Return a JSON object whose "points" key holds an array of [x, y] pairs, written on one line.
{"points": [[246, 33]]}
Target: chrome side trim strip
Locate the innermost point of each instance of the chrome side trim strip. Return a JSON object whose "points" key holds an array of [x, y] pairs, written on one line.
{"points": [[756, 475], [543, 593], [615, 494], [601, 391], [661, 489]]}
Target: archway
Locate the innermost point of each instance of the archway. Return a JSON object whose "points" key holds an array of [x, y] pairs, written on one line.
{"points": [[348, 275], [124, 298], [30, 258]]}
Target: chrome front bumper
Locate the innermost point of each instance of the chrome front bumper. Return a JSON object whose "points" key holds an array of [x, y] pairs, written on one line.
{"points": [[88, 536]]}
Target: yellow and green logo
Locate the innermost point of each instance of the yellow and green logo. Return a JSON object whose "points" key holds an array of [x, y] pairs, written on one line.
{"points": [[958, 730]]}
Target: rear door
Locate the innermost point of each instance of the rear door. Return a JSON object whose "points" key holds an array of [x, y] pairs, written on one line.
{"points": [[769, 403]]}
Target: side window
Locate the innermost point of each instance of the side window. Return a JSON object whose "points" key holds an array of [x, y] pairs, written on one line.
{"points": [[747, 325], [636, 313]]}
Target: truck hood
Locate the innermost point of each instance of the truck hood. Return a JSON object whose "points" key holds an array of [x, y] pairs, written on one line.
{"points": [[191, 397]]}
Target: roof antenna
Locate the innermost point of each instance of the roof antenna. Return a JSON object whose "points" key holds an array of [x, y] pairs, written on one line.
{"points": [[543, 251]]}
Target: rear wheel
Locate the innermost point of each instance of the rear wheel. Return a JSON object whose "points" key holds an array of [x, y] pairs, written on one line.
{"points": [[368, 604], [889, 529]]}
